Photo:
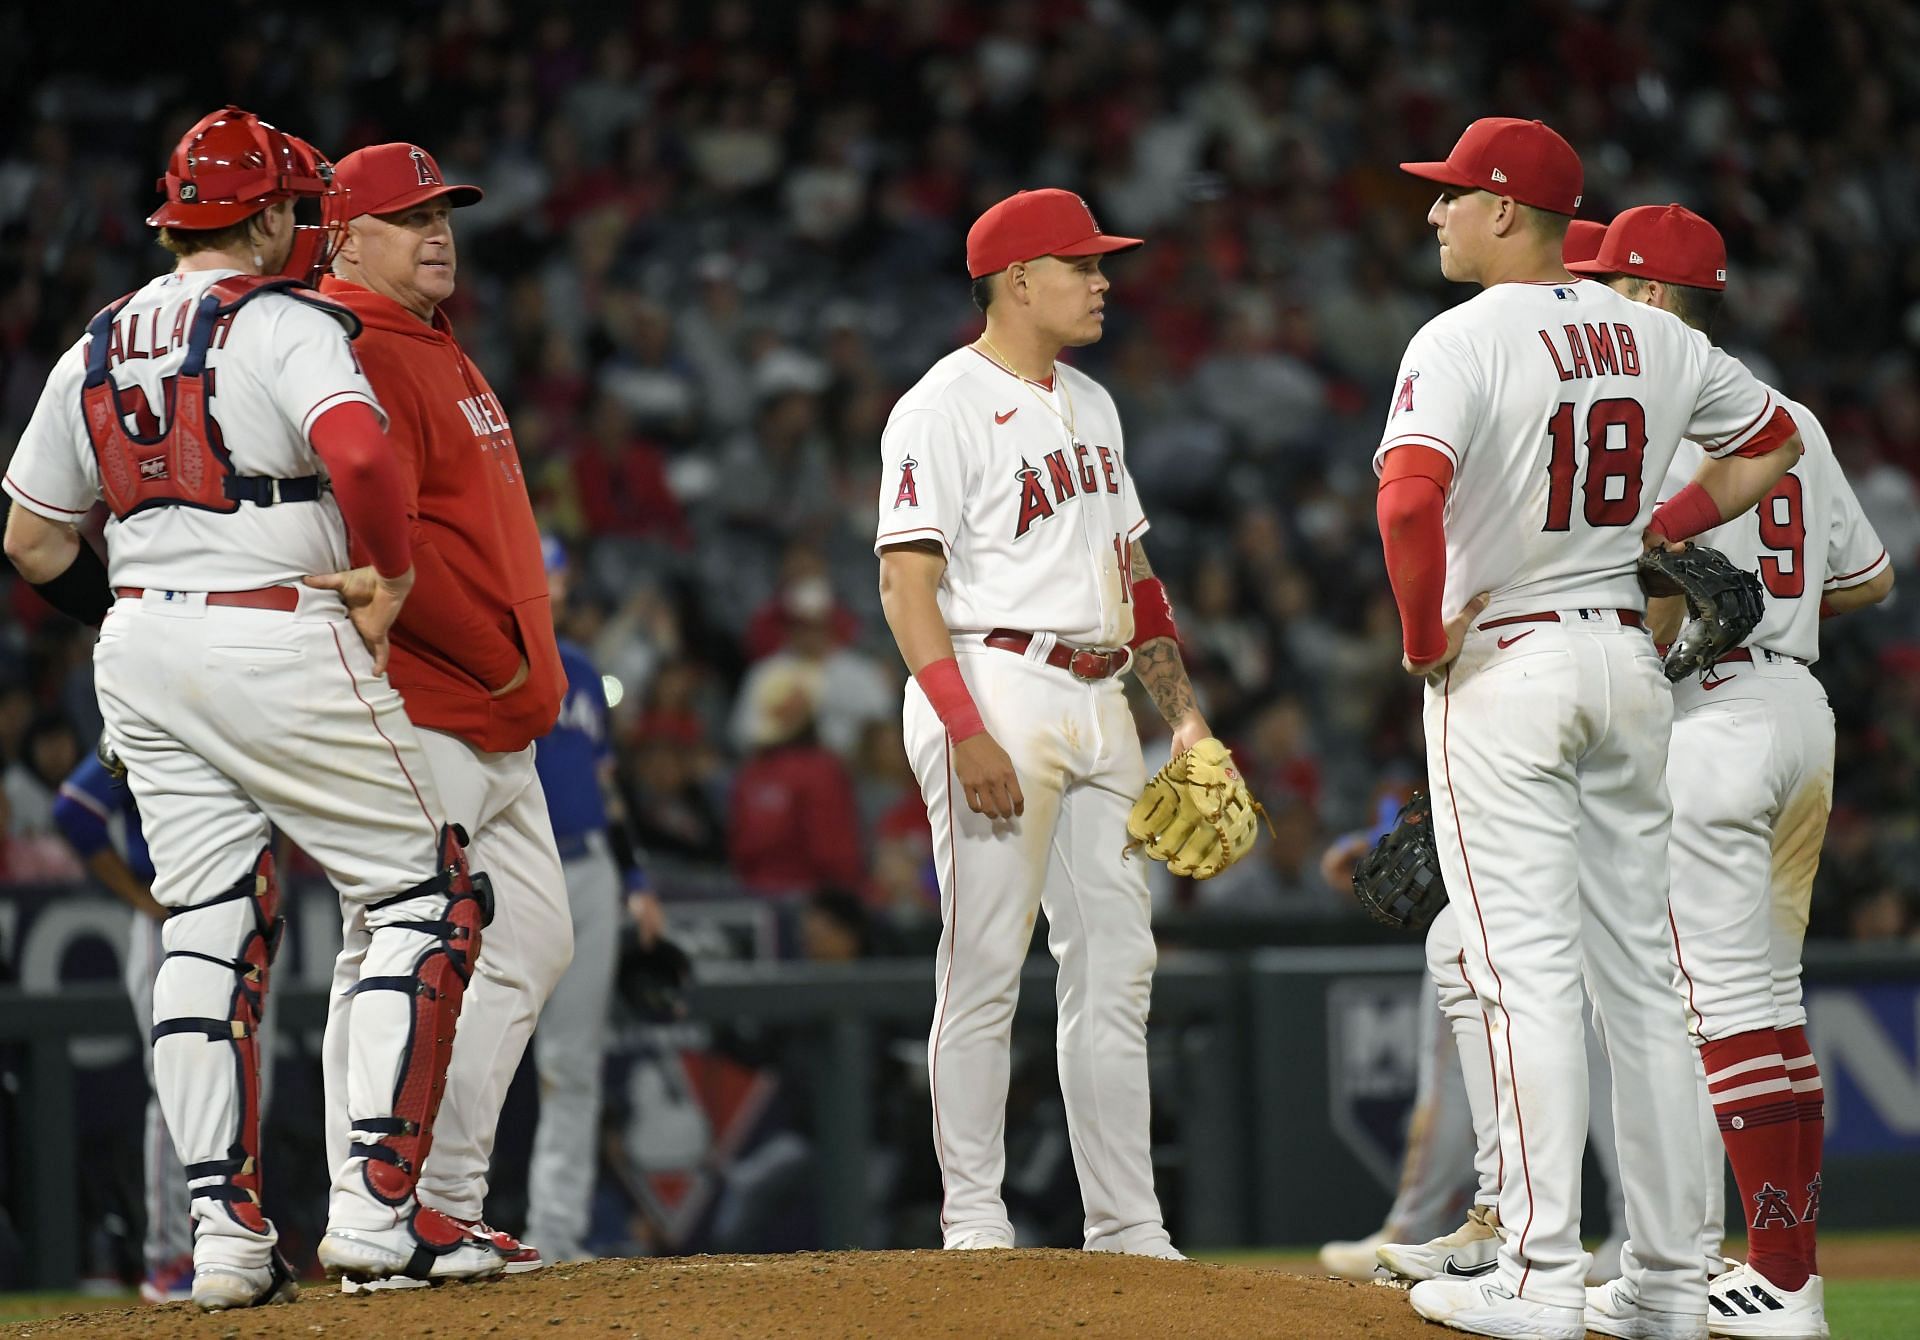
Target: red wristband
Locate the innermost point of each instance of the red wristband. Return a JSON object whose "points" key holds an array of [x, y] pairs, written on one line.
{"points": [[947, 692], [1686, 514], [1152, 613]]}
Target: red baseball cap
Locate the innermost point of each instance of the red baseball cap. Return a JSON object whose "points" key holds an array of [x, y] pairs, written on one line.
{"points": [[1048, 222], [1669, 243], [1582, 241], [383, 178], [1507, 156]]}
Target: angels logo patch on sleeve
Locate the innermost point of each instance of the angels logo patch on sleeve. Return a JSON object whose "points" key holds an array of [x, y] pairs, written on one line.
{"points": [[1405, 399], [907, 495]]}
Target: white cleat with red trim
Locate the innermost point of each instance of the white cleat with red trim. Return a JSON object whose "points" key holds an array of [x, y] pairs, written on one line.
{"points": [[1487, 1307]]}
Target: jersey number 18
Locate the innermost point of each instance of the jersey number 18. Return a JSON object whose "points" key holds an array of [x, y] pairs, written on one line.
{"points": [[1616, 448]]}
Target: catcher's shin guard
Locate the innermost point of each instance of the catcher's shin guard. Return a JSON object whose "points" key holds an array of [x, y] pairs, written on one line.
{"points": [[424, 944], [199, 1111]]}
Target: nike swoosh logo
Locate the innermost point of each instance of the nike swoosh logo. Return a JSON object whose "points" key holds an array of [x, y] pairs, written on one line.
{"points": [[1002, 418], [1711, 684], [1471, 1272], [1503, 644]]}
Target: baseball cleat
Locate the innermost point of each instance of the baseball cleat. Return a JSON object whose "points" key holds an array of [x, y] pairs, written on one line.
{"points": [[981, 1241], [1487, 1307], [217, 1286], [1743, 1302], [429, 1247], [519, 1256], [1354, 1260], [1470, 1251], [1612, 1309]]}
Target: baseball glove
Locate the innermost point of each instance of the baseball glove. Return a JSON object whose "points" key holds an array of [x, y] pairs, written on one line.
{"points": [[652, 979], [1399, 882], [1196, 813], [1724, 603]]}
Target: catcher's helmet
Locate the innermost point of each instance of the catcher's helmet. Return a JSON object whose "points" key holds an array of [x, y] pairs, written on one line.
{"points": [[232, 165]]}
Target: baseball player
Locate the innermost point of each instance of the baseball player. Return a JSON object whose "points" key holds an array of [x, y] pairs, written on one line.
{"points": [[219, 412], [1750, 768], [473, 656], [1519, 466], [91, 805], [1473, 1248], [575, 762], [1013, 578]]}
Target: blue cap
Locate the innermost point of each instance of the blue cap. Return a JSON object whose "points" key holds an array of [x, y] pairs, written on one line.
{"points": [[553, 554]]}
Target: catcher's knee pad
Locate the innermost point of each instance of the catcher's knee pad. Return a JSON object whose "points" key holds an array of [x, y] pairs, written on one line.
{"points": [[438, 923], [233, 1178]]}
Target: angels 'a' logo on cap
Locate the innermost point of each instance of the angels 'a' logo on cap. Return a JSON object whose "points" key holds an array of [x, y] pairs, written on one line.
{"points": [[423, 167], [1499, 176], [1090, 219], [1635, 258]]}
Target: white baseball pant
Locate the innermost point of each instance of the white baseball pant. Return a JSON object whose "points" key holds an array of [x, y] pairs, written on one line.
{"points": [[523, 951], [1077, 755], [229, 720], [1547, 762], [1751, 774]]}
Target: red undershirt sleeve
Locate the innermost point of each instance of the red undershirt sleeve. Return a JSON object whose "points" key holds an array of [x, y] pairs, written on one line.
{"points": [[366, 481], [1411, 507]]}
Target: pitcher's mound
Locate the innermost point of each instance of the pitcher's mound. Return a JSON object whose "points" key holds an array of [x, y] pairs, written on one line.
{"points": [[883, 1295]]}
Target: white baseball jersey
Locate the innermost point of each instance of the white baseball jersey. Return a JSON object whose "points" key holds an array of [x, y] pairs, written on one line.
{"points": [[1560, 406], [1037, 523], [279, 365], [1812, 502]]}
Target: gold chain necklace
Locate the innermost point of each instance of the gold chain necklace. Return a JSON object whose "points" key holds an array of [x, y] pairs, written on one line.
{"points": [[1066, 420]]}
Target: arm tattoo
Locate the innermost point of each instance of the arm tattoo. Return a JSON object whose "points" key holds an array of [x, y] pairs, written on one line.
{"points": [[1158, 666]]}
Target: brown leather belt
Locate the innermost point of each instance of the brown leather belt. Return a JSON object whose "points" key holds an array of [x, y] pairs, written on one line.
{"points": [[1629, 618], [282, 598], [1078, 661], [1745, 655]]}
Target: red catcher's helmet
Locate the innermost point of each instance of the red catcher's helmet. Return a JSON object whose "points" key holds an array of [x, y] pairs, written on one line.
{"points": [[232, 165]]}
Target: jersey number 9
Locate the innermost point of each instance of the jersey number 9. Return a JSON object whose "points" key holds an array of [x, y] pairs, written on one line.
{"points": [[1783, 529], [1616, 448]]}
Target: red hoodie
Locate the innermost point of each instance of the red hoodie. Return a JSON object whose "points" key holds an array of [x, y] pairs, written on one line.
{"points": [[479, 601]]}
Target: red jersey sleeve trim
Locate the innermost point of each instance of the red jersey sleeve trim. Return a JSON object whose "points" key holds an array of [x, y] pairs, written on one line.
{"points": [[1855, 578], [1427, 440], [894, 537], [44, 508], [336, 399]]}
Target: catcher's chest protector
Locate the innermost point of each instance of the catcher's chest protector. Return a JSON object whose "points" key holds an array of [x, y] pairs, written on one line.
{"points": [[183, 463]]}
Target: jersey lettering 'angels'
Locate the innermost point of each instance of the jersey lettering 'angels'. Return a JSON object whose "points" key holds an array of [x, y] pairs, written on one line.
{"points": [[1037, 524]]}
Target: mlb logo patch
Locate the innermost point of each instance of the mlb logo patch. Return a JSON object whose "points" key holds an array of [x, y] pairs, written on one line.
{"points": [[1565, 294]]}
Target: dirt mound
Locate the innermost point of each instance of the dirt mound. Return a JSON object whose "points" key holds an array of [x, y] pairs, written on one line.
{"points": [[883, 1295]]}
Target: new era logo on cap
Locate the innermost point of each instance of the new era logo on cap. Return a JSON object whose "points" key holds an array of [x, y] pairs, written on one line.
{"points": [[1721, 275], [1499, 176], [1635, 258]]}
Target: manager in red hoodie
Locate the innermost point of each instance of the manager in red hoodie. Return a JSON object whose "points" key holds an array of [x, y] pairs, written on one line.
{"points": [[473, 654]]}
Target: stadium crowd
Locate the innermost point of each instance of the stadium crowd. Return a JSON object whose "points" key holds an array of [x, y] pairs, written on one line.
{"points": [[720, 238]]}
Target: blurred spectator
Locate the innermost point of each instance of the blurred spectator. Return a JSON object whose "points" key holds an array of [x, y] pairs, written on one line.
{"points": [[794, 822], [48, 753], [847, 689]]}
